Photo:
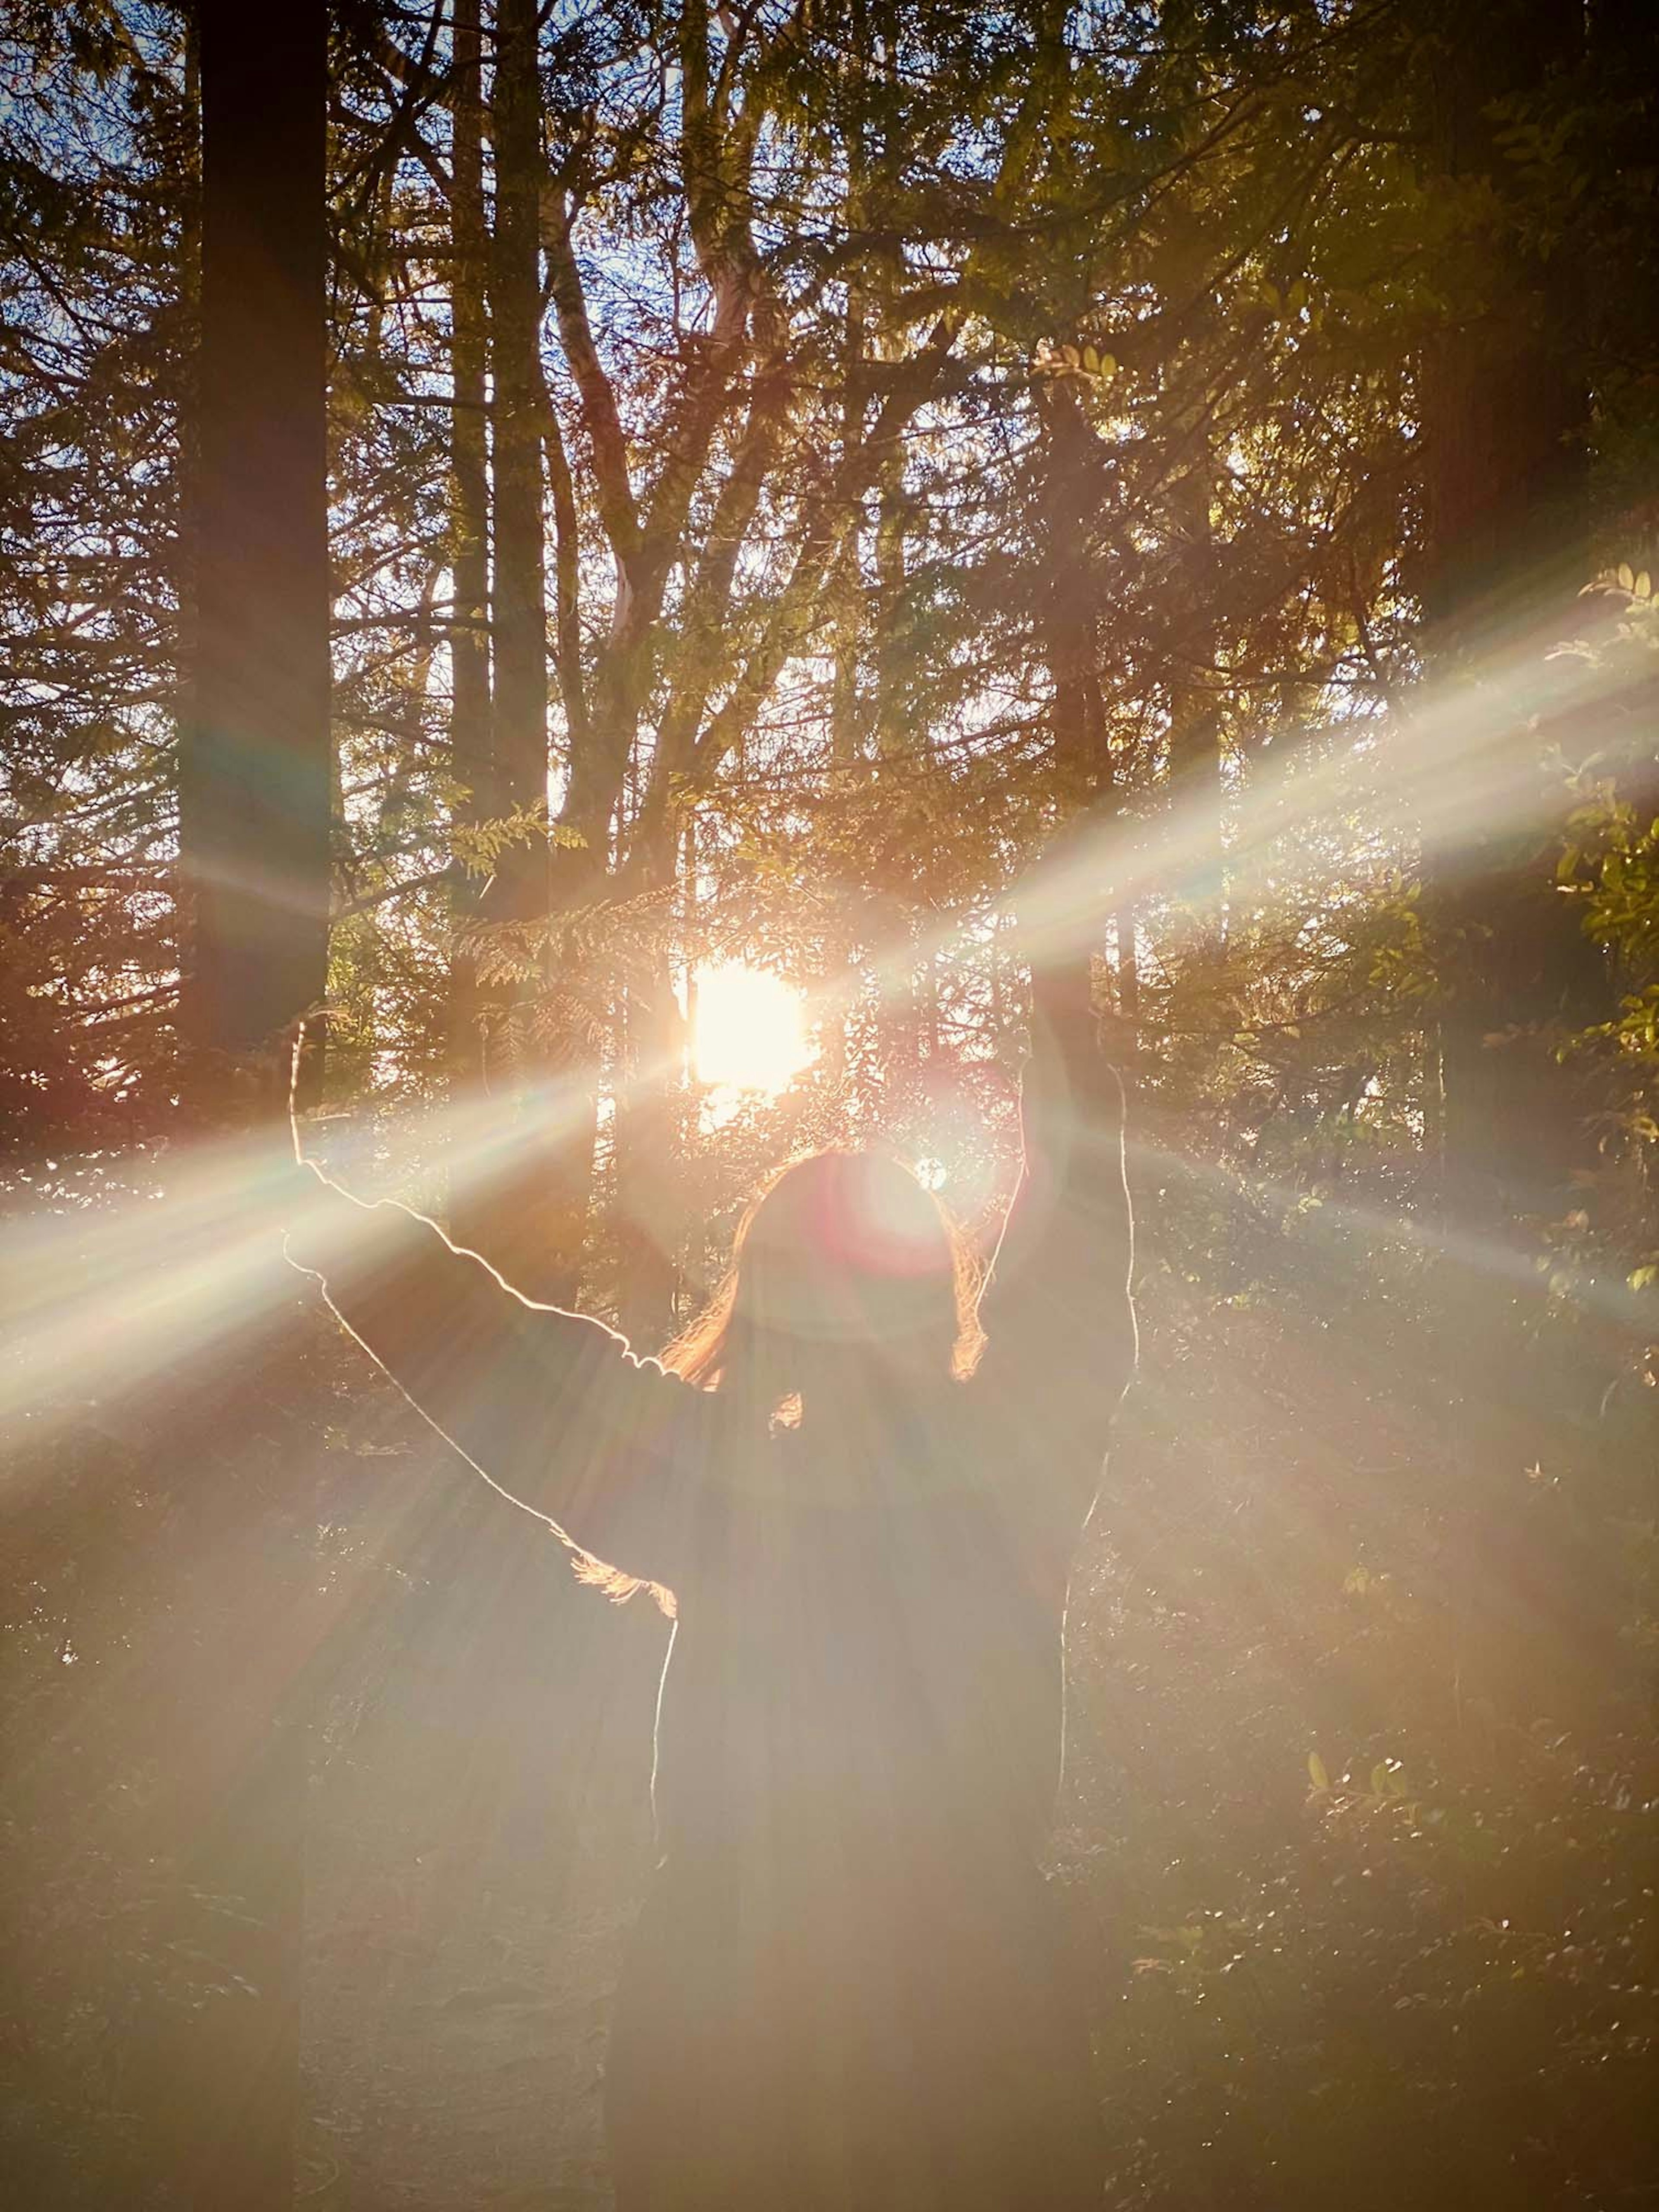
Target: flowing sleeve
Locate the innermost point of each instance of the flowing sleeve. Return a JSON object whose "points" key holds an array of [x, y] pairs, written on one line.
{"points": [[1056, 1311], [553, 1409]]}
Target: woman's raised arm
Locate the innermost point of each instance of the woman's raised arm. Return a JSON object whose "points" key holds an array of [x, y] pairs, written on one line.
{"points": [[1059, 1323], [552, 1408]]}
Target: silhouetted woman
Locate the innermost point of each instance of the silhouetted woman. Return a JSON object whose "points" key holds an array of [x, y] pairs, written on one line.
{"points": [[849, 1987]]}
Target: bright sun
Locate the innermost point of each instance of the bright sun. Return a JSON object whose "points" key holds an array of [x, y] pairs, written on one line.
{"points": [[748, 1032]]}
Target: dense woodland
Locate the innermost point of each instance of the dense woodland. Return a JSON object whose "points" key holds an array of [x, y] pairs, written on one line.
{"points": [[509, 509]]}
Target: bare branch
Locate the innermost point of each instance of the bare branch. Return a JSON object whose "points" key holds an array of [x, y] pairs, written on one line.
{"points": [[617, 510]]}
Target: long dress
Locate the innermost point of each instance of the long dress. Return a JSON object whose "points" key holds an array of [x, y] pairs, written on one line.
{"points": [[849, 1988]]}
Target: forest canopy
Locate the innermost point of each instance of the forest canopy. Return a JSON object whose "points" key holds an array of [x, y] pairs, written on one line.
{"points": [[655, 570]]}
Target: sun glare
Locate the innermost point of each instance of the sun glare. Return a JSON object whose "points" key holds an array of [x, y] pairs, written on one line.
{"points": [[748, 1033]]}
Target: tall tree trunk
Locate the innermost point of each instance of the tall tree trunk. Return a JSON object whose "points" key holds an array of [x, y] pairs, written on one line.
{"points": [[472, 738], [900, 748], [1062, 954], [1197, 865], [649, 1216], [255, 755], [1505, 411], [520, 629], [845, 751], [254, 784], [527, 1218], [1127, 971], [845, 715], [1193, 864]]}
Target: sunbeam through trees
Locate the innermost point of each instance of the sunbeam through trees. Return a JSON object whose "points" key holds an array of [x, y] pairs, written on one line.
{"points": [[724, 609]]}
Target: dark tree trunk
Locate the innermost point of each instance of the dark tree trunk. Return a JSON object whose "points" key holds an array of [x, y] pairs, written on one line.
{"points": [[1192, 860], [1062, 953], [1127, 972], [521, 630], [901, 746], [527, 1217], [846, 709], [471, 739], [1505, 415], [255, 775], [1197, 867], [845, 752], [650, 1224], [255, 756]]}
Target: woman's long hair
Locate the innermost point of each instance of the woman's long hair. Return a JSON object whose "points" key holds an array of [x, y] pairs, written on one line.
{"points": [[842, 1263], [840, 1256]]}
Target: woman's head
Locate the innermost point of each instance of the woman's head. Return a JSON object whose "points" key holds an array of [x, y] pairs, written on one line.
{"points": [[843, 1264]]}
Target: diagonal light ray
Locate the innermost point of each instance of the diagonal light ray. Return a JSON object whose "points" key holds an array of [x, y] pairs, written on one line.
{"points": [[1461, 762], [113, 1297], [116, 1296]]}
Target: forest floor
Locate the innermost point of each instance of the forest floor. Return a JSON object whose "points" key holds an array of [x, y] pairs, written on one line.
{"points": [[468, 1900], [468, 1903], [1355, 1991], [464, 2072], [456, 2013]]}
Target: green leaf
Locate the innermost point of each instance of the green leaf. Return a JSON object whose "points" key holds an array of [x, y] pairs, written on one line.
{"points": [[1317, 1772]]}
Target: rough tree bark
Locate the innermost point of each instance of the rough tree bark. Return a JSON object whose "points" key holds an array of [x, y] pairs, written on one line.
{"points": [[1061, 957], [1195, 786], [904, 995], [525, 1218], [255, 755], [472, 738], [1506, 417], [254, 796], [520, 623], [1506, 412]]}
